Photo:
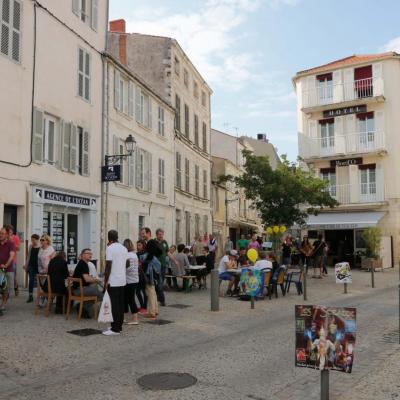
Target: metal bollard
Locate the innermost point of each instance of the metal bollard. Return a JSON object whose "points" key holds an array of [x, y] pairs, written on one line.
{"points": [[325, 384], [305, 281], [214, 290], [252, 302], [372, 276], [345, 288]]}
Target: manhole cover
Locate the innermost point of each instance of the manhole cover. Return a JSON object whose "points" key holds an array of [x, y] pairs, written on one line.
{"points": [[160, 322], [166, 381], [179, 306], [392, 337], [85, 332]]}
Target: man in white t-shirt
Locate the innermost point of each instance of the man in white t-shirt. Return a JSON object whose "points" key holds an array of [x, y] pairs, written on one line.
{"points": [[263, 264], [115, 280], [228, 261]]}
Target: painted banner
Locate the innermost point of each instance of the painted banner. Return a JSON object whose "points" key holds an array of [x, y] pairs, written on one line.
{"points": [[325, 337], [252, 282], [343, 273]]}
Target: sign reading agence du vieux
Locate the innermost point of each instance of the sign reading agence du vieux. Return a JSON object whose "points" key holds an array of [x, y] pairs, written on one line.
{"points": [[338, 112]]}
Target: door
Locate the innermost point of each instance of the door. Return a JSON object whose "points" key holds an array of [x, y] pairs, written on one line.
{"points": [[341, 245], [10, 216], [72, 238]]}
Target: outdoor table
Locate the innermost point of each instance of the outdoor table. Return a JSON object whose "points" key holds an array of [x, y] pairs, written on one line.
{"points": [[196, 269]]}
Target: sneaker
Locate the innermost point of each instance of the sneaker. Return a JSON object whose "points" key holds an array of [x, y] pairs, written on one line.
{"points": [[30, 299], [142, 311], [109, 332]]}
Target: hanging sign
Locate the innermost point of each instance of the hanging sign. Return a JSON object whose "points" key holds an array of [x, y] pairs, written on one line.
{"points": [[346, 162], [111, 173], [338, 112]]}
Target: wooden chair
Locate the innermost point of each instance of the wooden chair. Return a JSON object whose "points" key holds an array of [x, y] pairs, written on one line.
{"points": [[43, 280], [267, 284], [81, 298], [280, 280]]}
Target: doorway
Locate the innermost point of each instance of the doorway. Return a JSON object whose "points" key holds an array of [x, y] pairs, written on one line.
{"points": [[10, 216], [341, 245]]}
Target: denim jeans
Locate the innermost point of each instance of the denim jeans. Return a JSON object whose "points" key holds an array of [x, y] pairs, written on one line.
{"points": [[32, 276], [160, 286]]}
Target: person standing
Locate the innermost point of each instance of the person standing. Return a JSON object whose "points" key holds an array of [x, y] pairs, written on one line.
{"points": [[287, 252], [228, 245], [115, 281], [141, 292], [17, 243], [318, 254], [132, 283], [242, 243], [163, 260], [31, 265], [212, 246], [46, 253], [254, 244], [7, 253], [306, 251], [198, 250]]}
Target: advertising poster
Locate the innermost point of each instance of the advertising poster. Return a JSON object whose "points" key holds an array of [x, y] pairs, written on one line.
{"points": [[343, 273], [325, 337], [252, 282]]}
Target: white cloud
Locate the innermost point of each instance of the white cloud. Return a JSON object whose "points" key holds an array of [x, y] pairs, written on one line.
{"points": [[392, 45]]}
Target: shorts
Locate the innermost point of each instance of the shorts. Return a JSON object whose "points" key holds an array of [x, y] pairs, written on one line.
{"points": [[318, 261], [225, 276], [3, 282], [10, 279]]}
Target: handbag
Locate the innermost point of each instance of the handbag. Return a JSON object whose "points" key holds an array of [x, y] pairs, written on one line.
{"points": [[105, 313]]}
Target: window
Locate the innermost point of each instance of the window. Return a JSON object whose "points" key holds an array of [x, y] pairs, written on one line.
{"points": [[10, 29], [325, 88], [187, 175], [197, 225], [50, 140], [366, 128], [205, 185], [327, 133], [177, 113], [87, 11], [368, 179], [196, 130], [186, 120], [196, 180], [329, 175], [203, 99], [123, 94], [363, 84], [204, 136], [83, 152], [161, 176], [144, 171], [196, 90], [185, 77], [179, 170], [161, 121], [177, 66], [84, 74], [143, 108]]}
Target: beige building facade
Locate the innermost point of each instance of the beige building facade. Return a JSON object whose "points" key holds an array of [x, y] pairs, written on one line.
{"points": [[163, 64], [347, 123], [50, 121]]}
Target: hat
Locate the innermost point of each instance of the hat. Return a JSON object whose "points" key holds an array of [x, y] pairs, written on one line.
{"points": [[233, 253]]}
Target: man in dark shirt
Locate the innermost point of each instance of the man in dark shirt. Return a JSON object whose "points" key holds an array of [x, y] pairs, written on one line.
{"points": [[318, 254], [7, 253], [89, 283], [163, 260]]}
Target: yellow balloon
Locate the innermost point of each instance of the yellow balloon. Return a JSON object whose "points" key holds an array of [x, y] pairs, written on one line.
{"points": [[283, 229], [252, 255], [269, 230], [276, 228]]}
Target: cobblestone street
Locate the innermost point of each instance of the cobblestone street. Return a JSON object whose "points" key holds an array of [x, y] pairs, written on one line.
{"points": [[236, 353]]}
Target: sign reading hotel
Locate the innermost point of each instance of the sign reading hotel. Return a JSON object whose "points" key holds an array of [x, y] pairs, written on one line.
{"points": [[325, 337], [338, 112], [346, 162]]}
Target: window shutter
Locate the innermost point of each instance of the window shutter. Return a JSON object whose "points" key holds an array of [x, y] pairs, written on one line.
{"points": [[130, 99], [150, 124], [16, 31], [75, 7], [59, 144], [65, 146], [340, 136], [337, 86], [131, 161], [137, 103], [5, 27], [72, 150], [377, 79], [85, 153], [348, 77], [116, 89], [150, 173], [51, 140], [94, 15], [37, 145], [138, 169]]}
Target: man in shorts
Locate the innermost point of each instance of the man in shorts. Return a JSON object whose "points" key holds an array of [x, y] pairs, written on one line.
{"points": [[7, 253]]}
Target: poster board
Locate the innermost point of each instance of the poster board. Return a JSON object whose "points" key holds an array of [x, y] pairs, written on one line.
{"points": [[343, 273], [252, 282]]}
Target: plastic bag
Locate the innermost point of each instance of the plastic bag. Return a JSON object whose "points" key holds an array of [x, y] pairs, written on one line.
{"points": [[105, 314]]}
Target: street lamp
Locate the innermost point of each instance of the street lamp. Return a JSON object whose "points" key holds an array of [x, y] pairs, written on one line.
{"points": [[130, 145]]}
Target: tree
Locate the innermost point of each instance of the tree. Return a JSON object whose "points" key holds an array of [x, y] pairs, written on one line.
{"points": [[286, 195]]}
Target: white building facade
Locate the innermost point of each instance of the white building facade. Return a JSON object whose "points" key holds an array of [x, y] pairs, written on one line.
{"points": [[50, 120], [347, 122]]}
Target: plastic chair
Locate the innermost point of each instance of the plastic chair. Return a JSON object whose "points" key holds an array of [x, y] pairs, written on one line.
{"points": [[280, 280], [44, 290], [81, 298]]}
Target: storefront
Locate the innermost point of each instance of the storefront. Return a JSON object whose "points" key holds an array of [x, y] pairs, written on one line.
{"points": [[343, 233], [71, 219]]}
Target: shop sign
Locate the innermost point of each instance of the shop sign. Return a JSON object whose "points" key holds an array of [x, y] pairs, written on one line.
{"points": [[343, 273], [59, 197], [111, 173], [325, 337], [335, 226], [346, 162], [338, 112]]}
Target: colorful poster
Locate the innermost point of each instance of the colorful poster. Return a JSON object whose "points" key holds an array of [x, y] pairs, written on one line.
{"points": [[325, 337], [252, 282], [343, 273]]}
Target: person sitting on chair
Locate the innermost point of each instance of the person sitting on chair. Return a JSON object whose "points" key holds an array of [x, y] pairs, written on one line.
{"points": [[228, 261], [58, 273]]}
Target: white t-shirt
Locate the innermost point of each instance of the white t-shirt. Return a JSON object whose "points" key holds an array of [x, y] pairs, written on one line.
{"points": [[132, 272], [222, 267], [92, 270], [263, 265], [117, 254]]}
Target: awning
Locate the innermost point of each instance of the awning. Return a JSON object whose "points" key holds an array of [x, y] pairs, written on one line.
{"points": [[351, 220]]}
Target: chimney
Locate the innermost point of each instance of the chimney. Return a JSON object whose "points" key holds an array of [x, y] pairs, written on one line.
{"points": [[119, 26], [262, 137]]}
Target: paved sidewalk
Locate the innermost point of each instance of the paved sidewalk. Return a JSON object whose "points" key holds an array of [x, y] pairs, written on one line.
{"points": [[236, 353]]}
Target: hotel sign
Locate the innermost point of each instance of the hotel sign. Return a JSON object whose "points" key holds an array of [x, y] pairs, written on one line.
{"points": [[346, 162], [339, 112]]}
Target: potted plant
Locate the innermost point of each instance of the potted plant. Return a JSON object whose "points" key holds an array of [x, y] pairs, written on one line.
{"points": [[372, 238]]}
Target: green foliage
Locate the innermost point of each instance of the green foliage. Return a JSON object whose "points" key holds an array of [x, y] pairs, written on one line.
{"points": [[286, 195], [372, 238]]}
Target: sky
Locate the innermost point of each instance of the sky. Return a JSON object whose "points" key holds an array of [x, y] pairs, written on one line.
{"points": [[249, 50]]}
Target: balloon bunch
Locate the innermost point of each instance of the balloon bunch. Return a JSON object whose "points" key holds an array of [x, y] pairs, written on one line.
{"points": [[275, 234]]}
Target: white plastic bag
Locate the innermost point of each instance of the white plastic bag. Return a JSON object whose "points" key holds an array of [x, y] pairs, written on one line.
{"points": [[105, 314]]}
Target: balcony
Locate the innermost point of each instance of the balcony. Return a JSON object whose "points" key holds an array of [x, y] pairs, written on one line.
{"points": [[350, 143], [356, 194], [323, 94]]}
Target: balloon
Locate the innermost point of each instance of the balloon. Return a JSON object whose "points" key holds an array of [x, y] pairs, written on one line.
{"points": [[252, 255], [276, 228], [269, 230], [283, 229]]}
